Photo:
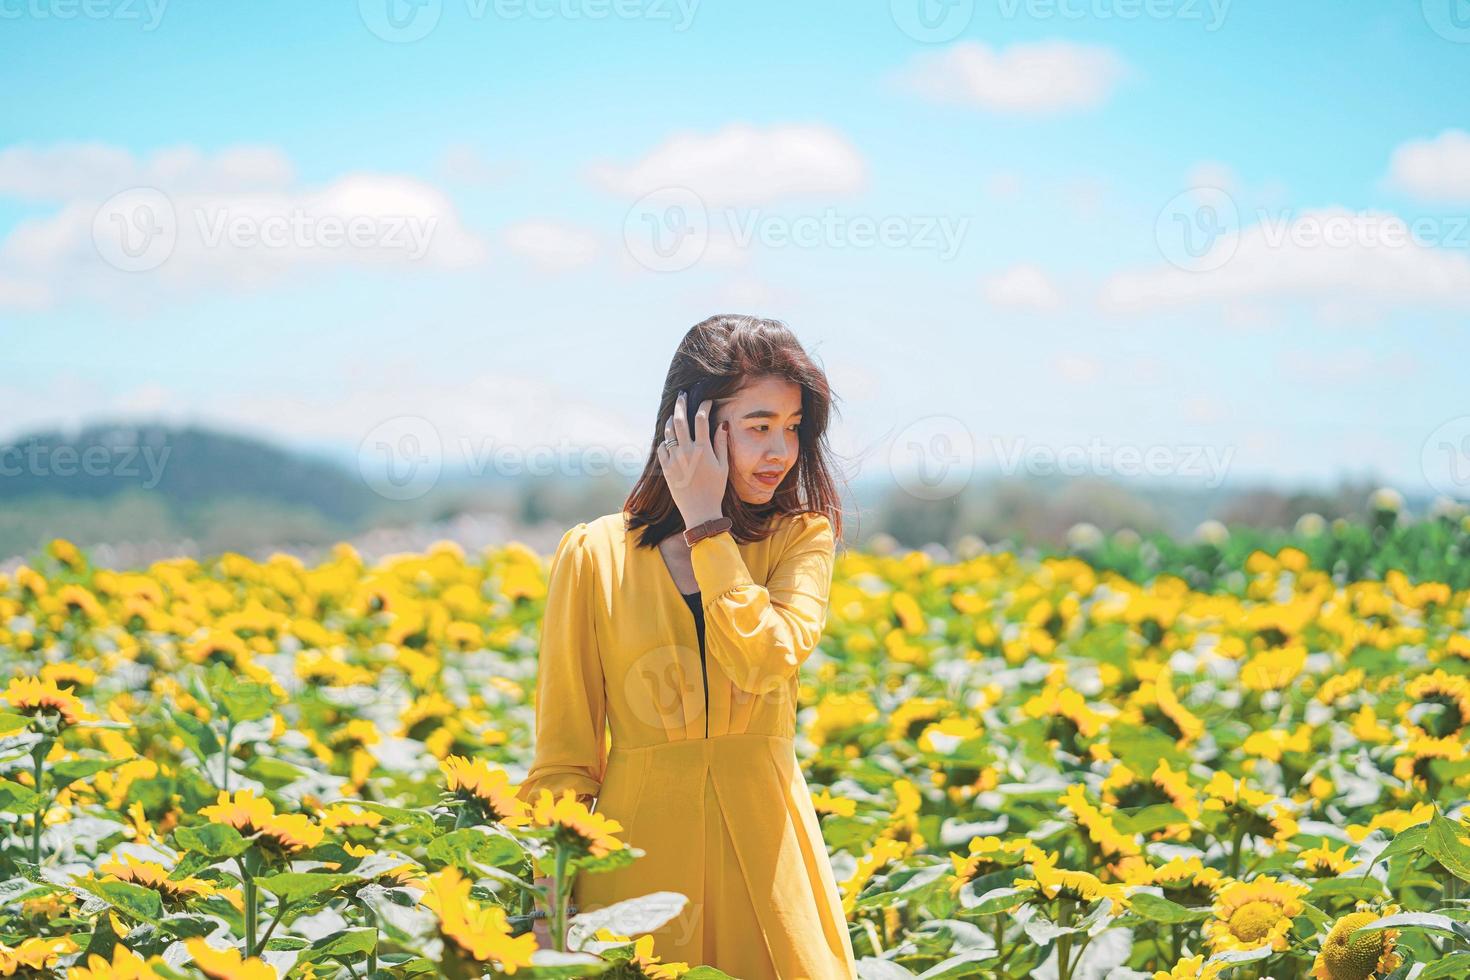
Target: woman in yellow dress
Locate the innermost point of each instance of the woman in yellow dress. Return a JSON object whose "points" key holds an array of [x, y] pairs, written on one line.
{"points": [[689, 654]]}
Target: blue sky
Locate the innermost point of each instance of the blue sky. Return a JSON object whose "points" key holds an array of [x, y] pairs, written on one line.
{"points": [[1065, 145]]}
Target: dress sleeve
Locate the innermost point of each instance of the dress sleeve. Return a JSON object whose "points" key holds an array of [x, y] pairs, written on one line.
{"points": [[761, 634], [571, 702]]}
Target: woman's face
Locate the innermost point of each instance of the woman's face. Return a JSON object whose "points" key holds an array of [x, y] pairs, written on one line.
{"points": [[763, 439]]}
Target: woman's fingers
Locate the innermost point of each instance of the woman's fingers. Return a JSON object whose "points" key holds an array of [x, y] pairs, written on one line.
{"points": [[701, 422], [680, 420]]}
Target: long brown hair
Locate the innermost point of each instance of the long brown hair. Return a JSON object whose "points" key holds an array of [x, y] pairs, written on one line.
{"points": [[721, 355]]}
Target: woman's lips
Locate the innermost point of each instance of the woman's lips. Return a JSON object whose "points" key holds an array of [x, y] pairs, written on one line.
{"points": [[769, 481]]}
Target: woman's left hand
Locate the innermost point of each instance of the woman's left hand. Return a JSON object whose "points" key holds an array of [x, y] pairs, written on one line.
{"points": [[696, 470]]}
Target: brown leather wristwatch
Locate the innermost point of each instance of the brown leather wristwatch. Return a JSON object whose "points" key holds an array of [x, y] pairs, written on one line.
{"points": [[710, 527]]}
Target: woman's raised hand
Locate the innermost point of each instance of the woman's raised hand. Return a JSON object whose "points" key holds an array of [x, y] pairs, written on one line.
{"points": [[696, 469]]}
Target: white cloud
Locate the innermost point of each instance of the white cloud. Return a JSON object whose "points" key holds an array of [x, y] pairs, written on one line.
{"points": [[1022, 287], [69, 171], [1328, 257], [1351, 365], [1027, 77], [462, 164], [742, 165], [1211, 173], [1433, 170], [552, 246], [1078, 369], [127, 231]]}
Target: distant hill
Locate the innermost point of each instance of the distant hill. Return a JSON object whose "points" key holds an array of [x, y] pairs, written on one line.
{"points": [[135, 482]]}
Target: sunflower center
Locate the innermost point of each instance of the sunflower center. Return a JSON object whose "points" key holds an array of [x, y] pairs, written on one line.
{"points": [[1352, 957], [1252, 922]]}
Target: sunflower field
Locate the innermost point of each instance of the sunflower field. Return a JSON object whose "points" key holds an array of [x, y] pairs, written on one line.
{"points": [[1128, 760]]}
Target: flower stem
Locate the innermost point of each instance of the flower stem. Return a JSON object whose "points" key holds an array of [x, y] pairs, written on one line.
{"points": [[1235, 847], [559, 900], [1064, 943], [248, 889], [38, 757]]}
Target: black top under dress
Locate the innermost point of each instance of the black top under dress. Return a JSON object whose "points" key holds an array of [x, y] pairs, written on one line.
{"points": [[692, 600]]}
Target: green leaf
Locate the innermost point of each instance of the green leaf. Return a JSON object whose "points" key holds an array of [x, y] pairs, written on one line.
{"points": [[1421, 920], [467, 848], [17, 890], [1409, 841], [1454, 965], [293, 886], [63, 774], [274, 773], [1354, 887], [240, 699], [999, 900], [345, 944], [197, 735], [282, 944], [214, 840], [10, 722], [15, 798], [1148, 819], [1160, 909], [1444, 844], [132, 900]]}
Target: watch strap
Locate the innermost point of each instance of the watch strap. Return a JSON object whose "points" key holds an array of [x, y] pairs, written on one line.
{"points": [[710, 527]]}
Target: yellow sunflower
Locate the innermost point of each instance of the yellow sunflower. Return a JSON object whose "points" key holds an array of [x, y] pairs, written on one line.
{"points": [[1324, 861], [249, 814], [125, 965], [43, 699], [155, 876], [1190, 968], [480, 931], [1350, 955], [1050, 883], [575, 824], [227, 964], [34, 954], [1249, 914], [474, 781]]}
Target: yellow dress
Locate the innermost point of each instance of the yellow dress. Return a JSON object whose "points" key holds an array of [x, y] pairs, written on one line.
{"points": [[726, 819]]}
